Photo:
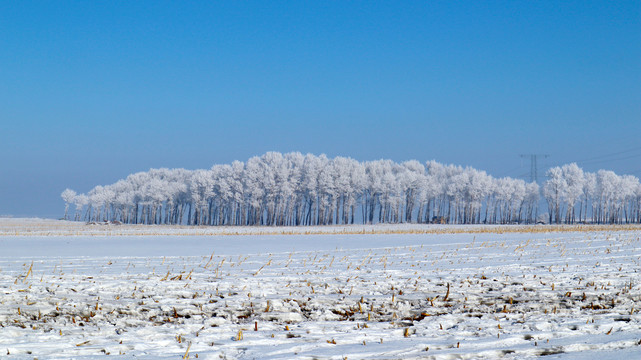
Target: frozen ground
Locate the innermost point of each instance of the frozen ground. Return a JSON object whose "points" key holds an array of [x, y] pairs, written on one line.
{"points": [[73, 291]]}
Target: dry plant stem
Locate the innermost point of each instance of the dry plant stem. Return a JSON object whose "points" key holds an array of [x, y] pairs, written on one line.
{"points": [[447, 295], [186, 356]]}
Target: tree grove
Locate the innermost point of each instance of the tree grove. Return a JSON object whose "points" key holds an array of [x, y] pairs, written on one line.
{"points": [[295, 189]]}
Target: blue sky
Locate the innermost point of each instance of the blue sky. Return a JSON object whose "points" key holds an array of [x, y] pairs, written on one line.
{"points": [[93, 91]]}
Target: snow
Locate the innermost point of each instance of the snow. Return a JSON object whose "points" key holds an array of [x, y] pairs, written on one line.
{"points": [[162, 292]]}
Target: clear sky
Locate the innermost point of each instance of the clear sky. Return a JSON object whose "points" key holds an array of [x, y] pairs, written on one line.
{"points": [[93, 91]]}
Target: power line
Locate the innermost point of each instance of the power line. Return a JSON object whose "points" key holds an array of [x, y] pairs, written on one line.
{"points": [[608, 160], [605, 156], [511, 172], [614, 156]]}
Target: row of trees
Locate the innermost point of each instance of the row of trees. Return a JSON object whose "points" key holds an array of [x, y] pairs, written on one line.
{"points": [[602, 197], [297, 189]]}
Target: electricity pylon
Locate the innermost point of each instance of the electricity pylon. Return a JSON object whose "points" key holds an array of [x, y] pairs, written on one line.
{"points": [[534, 170]]}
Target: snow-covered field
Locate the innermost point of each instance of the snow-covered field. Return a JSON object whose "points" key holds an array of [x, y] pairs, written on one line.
{"points": [[69, 290]]}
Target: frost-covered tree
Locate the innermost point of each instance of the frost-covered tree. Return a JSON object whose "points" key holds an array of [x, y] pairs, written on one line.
{"points": [[589, 193], [554, 190], [573, 189], [68, 196]]}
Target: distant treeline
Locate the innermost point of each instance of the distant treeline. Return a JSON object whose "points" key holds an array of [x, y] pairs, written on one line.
{"points": [[295, 189], [601, 198]]}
